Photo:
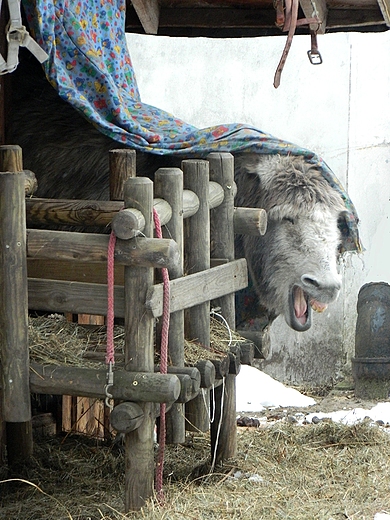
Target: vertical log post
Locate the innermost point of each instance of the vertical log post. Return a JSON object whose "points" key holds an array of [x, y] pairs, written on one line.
{"points": [[223, 437], [168, 184], [84, 414], [139, 354], [122, 163], [197, 258], [122, 166], [14, 307]]}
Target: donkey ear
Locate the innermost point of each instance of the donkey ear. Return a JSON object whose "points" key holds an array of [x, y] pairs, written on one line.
{"points": [[347, 227]]}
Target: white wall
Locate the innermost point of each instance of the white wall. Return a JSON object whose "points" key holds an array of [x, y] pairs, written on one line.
{"points": [[340, 110]]}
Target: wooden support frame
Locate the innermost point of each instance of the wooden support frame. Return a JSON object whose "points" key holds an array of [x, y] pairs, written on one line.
{"points": [[148, 12], [223, 428], [317, 8], [169, 186], [16, 405], [140, 303], [197, 258], [384, 6], [139, 355]]}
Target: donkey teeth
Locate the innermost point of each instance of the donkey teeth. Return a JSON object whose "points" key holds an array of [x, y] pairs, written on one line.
{"points": [[318, 306]]}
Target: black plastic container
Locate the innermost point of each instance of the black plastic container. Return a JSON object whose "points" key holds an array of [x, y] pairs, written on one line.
{"points": [[371, 364]]}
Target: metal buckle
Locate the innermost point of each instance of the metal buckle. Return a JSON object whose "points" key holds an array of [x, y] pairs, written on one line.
{"points": [[314, 57], [16, 34], [110, 383]]}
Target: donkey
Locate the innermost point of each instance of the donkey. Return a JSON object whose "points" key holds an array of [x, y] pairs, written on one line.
{"points": [[293, 267]]}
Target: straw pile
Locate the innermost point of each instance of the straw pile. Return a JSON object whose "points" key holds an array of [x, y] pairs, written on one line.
{"points": [[324, 471], [53, 340]]}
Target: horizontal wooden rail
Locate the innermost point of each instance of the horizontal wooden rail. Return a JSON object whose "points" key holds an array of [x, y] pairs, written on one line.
{"points": [[90, 382], [66, 245], [200, 287], [185, 292], [79, 212], [130, 222]]}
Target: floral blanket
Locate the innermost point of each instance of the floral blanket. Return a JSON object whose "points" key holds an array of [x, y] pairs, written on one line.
{"points": [[90, 66]]}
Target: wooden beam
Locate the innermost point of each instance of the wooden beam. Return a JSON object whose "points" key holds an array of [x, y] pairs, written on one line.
{"points": [[208, 17], [199, 287], [312, 8], [187, 291], [49, 269], [231, 23], [90, 382], [148, 12], [385, 8], [66, 245], [346, 18]]}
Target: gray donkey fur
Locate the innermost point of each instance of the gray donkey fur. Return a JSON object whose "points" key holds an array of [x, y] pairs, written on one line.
{"points": [[294, 265]]}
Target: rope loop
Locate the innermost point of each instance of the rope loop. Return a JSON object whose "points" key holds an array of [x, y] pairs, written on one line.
{"points": [[110, 349], [163, 367]]}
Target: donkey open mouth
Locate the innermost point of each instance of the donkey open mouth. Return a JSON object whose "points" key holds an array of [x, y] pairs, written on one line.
{"points": [[300, 306]]}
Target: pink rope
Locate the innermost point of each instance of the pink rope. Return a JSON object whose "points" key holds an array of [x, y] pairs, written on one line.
{"points": [[163, 367], [110, 358]]}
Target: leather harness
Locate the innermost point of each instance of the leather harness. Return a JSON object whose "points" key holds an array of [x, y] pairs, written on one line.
{"points": [[287, 20]]}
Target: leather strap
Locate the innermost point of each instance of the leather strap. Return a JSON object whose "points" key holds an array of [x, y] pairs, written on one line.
{"points": [[288, 21], [17, 36]]}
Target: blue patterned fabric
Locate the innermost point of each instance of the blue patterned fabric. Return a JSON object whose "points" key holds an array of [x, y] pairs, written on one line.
{"points": [[90, 67]]}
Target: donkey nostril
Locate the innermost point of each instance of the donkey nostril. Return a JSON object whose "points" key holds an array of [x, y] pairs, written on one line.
{"points": [[307, 280]]}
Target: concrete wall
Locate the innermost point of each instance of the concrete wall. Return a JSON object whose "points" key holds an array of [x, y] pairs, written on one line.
{"points": [[340, 110]]}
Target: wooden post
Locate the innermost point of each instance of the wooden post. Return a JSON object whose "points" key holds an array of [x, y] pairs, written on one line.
{"points": [[223, 436], [122, 166], [197, 258], [169, 186], [14, 307], [91, 415], [139, 354]]}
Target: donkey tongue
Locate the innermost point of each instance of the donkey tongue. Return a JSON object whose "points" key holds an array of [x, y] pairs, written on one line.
{"points": [[300, 305]]}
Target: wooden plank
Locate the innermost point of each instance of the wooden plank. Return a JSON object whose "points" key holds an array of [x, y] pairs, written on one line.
{"points": [[248, 221], [82, 297], [148, 12], [52, 269], [199, 287], [74, 297], [385, 8], [4, 80], [122, 166], [208, 17], [343, 18], [225, 22], [13, 284], [140, 251], [197, 259], [312, 8]]}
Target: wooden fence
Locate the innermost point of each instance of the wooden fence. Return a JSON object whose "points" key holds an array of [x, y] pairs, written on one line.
{"points": [[60, 271]]}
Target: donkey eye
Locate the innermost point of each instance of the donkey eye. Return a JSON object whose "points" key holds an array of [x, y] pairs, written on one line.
{"points": [[289, 219]]}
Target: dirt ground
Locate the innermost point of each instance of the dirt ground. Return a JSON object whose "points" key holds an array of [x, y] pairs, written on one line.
{"points": [[340, 397], [282, 471]]}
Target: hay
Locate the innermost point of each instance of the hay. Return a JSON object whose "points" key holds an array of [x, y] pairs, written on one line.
{"points": [[54, 340], [324, 471], [283, 471]]}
